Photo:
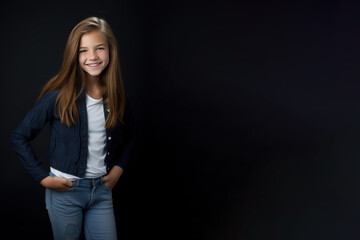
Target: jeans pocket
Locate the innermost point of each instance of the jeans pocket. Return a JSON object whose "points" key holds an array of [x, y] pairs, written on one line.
{"points": [[72, 188], [106, 187], [69, 189]]}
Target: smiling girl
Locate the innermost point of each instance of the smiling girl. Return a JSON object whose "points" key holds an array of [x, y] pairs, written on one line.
{"points": [[91, 134]]}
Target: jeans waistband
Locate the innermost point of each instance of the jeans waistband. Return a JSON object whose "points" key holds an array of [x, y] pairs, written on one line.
{"points": [[89, 181]]}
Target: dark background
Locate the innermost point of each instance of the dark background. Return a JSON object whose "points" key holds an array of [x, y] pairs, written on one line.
{"points": [[247, 114]]}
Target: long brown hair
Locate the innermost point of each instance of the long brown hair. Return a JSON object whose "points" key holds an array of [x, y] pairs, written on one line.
{"points": [[70, 80]]}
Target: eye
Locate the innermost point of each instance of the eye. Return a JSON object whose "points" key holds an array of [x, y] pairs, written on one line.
{"points": [[100, 48], [82, 51]]}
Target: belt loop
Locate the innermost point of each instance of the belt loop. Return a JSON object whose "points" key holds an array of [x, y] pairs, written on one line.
{"points": [[76, 182]]}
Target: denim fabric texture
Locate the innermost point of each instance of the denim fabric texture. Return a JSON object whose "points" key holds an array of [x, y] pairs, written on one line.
{"points": [[87, 206]]}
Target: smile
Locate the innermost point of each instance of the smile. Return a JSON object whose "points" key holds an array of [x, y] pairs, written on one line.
{"points": [[93, 65]]}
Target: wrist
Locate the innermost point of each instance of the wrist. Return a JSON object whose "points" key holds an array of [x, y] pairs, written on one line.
{"points": [[46, 181], [116, 171]]}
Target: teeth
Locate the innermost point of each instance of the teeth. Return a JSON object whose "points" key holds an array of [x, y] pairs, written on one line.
{"points": [[93, 65]]}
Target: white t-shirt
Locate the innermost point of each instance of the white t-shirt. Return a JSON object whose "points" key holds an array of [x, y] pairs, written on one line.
{"points": [[95, 166]]}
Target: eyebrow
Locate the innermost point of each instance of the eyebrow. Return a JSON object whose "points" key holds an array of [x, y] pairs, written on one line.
{"points": [[101, 44]]}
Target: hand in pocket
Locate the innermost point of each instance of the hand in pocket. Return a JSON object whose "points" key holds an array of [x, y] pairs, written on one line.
{"points": [[112, 178], [57, 183]]}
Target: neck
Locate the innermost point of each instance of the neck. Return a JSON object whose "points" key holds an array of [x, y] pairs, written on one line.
{"points": [[94, 87], [92, 81]]}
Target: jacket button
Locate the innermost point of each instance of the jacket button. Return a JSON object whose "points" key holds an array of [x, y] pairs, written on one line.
{"points": [[109, 138], [108, 153]]}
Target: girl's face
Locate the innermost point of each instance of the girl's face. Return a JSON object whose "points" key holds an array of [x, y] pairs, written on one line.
{"points": [[93, 53]]}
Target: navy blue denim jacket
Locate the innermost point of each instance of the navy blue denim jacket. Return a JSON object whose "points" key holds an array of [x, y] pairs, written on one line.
{"points": [[68, 146]]}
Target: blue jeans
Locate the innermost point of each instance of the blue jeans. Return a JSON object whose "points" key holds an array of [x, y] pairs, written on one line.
{"points": [[87, 204]]}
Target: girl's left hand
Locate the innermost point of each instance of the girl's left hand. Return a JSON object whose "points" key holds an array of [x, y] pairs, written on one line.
{"points": [[113, 177]]}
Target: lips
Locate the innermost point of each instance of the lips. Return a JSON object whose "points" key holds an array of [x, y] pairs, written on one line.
{"points": [[93, 65]]}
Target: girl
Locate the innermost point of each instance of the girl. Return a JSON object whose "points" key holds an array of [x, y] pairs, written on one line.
{"points": [[91, 134]]}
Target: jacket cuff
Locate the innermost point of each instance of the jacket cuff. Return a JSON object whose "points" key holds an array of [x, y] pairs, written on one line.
{"points": [[121, 164], [39, 174]]}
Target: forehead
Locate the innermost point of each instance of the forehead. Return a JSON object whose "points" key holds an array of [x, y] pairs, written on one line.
{"points": [[92, 39]]}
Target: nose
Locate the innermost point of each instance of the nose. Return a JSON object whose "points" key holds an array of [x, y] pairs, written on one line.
{"points": [[93, 55]]}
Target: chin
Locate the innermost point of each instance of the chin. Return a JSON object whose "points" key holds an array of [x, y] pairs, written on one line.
{"points": [[94, 74]]}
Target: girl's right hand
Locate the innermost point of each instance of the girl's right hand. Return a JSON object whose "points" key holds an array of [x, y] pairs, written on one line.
{"points": [[57, 183]]}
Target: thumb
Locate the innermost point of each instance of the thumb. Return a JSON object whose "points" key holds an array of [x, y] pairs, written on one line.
{"points": [[68, 183], [105, 178]]}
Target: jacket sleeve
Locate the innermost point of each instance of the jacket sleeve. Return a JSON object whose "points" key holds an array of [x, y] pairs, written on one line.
{"points": [[128, 145], [29, 128]]}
